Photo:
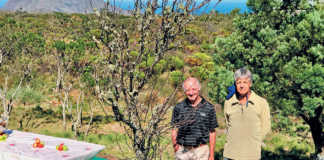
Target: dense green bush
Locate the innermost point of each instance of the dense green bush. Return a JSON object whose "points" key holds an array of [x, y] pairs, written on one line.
{"points": [[282, 44], [223, 78], [28, 95], [158, 68], [175, 63], [199, 72], [176, 77]]}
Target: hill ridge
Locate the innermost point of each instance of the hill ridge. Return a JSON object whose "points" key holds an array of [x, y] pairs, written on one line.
{"points": [[47, 6]]}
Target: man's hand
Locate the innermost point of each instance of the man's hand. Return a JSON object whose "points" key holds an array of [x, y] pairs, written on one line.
{"points": [[176, 147], [174, 134], [3, 123], [212, 140]]}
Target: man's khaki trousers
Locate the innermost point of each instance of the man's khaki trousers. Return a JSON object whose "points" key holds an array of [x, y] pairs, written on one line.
{"points": [[199, 153]]}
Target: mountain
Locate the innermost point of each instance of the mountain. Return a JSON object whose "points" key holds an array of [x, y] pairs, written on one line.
{"points": [[46, 6]]}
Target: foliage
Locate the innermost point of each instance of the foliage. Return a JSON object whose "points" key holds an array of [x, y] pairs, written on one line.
{"points": [[26, 46], [219, 81], [202, 65], [175, 63], [29, 96], [157, 24], [280, 147], [282, 43], [199, 72], [176, 77]]}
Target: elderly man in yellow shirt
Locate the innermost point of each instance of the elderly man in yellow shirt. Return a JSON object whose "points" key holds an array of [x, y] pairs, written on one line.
{"points": [[247, 118]]}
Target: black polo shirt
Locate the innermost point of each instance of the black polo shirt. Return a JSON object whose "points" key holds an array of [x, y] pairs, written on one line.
{"points": [[194, 123]]}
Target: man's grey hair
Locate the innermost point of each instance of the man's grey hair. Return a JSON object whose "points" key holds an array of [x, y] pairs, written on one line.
{"points": [[243, 73], [191, 78]]}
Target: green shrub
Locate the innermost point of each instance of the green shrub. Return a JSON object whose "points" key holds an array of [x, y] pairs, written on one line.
{"points": [[286, 148], [66, 134], [199, 72], [204, 57], [210, 66], [206, 47], [28, 95], [176, 77], [139, 75], [133, 54], [175, 63], [219, 145], [87, 77], [160, 67], [199, 59]]}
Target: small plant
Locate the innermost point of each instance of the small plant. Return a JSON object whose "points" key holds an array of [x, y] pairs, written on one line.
{"points": [[175, 63], [176, 77], [28, 95], [200, 72]]}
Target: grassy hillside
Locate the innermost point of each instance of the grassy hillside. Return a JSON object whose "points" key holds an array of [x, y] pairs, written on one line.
{"points": [[28, 42]]}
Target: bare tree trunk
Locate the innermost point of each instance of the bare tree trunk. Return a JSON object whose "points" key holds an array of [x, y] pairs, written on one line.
{"points": [[60, 74], [1, 57], [76, 119], [90, 121], [65, 104], [8, 103], [157, 24]]}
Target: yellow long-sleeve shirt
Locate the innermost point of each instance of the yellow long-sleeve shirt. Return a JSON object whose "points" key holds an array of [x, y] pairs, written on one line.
{"points": [[246, 127]]}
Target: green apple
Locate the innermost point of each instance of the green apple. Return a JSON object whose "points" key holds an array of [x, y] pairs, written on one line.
{"points": [[3, 137], [65, 148]]}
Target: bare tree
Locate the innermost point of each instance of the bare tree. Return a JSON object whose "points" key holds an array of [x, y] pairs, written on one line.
{"points": [[7, 103], [7, 100], [76, 118], [126, 70], [65, 103]]}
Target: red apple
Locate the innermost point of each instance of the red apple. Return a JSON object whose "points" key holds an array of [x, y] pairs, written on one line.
{"points": [[40, 145], [35, 145], [60, 148], [37, 140]]}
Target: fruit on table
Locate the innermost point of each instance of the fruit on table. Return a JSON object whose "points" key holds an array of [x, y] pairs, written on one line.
{"points": [[38, 143], [61, 147], [3, 137]]}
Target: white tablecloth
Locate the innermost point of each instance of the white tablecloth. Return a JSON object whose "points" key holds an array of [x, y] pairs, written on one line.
{"points": [[18, 146]]}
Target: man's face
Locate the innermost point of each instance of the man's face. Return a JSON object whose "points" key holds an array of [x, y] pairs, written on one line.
{"points": [[243, 85], [191, 89]]}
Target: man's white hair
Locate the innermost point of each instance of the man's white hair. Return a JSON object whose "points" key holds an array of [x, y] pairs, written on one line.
{"points": [[191, 78], [243, 73]]}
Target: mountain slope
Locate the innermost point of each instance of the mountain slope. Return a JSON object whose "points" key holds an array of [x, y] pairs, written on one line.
{"points": [[45, 6]]}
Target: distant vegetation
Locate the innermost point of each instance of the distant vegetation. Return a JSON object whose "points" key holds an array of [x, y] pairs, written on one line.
{"points": [[49, 64]]}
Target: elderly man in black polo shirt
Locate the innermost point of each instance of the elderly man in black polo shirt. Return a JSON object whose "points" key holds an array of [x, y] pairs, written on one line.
{"points": [[194, 121]]}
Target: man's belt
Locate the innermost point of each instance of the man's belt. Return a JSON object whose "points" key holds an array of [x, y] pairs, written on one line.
{"points": [[193, 147]]}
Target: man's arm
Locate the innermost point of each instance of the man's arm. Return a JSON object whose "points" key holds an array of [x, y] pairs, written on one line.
{"points": [[212, 133], [212, 140], [174, 134], [265, 119], [225, 114]]}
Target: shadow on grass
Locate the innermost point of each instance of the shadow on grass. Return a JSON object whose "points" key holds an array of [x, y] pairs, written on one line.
{"points": [[39, 112], [285, 155], [279, 155], [100, 119]]}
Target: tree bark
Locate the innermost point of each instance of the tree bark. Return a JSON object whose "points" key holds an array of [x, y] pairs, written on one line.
{"points": [[316, 127]]}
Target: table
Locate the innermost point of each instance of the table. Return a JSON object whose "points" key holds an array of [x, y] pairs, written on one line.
{"points": [[19, 146]]}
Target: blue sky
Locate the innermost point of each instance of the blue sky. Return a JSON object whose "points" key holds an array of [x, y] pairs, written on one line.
{"points": [[2, 2]]}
